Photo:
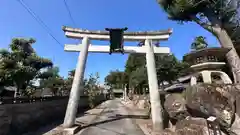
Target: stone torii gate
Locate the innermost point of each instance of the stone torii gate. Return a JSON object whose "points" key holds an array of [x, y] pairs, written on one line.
{"points": [[149, 49]]}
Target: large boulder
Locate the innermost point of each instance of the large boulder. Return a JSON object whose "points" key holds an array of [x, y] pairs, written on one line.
{"points": [[196, 126], [231, 90], [204, 100], [175, 106], [236, 125]]}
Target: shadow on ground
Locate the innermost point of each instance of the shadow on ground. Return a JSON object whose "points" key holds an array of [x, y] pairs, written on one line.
{"points": [[113, 118]]}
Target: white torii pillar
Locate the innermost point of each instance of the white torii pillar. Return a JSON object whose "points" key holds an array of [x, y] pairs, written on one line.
{"points": [[149, 49]]}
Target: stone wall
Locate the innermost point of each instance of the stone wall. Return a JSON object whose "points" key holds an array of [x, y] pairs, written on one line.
{"points": [[18, 118]]}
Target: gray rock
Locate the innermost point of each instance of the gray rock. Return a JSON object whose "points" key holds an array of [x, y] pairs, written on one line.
{"points": [[175, 106], [196, 126], [204, 100], [236, 125], [168, 132], [233, 91]]}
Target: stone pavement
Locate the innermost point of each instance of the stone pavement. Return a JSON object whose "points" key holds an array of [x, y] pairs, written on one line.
{"points": [[113, 119], [82, 120], [145, 123]]}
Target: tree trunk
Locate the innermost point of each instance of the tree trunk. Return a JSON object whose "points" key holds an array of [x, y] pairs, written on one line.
{"points": [[216, 29], [232, 56]]}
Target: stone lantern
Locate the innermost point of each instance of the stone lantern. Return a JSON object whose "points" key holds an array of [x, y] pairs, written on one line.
{"points": [[206, 65]]}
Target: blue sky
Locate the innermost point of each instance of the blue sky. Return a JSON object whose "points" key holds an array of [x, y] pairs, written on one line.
{"points": [[93, 15]]}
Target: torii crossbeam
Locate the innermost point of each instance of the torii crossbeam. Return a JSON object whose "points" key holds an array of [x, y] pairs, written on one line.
{"points": [[149, 49]]}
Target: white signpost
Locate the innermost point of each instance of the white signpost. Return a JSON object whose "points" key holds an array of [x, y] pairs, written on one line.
{"points": [[149, 49]]}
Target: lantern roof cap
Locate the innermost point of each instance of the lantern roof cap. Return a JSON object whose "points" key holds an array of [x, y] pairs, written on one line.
{"points": [[215, 51]]}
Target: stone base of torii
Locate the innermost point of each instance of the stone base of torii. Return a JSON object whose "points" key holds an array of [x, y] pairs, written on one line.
{"points": [[149, 49]]}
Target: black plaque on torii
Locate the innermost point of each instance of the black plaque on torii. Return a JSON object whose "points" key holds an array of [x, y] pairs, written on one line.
{"points": [[116, 39]]}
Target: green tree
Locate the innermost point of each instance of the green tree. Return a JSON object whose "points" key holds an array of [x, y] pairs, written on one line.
{"points": [[55, 84], [52, 80], [169, 68], [69, 80], [21, 65], [138, 80], [110, 79], [133, 63], [199, 43], [116, 79], [214, 16], [92, 88]]}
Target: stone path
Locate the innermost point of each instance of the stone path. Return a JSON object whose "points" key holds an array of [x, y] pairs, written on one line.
{"points": [[115, 119]]}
